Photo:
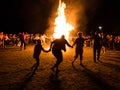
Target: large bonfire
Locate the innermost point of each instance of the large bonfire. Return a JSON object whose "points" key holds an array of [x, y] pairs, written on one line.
{"points": [[61, 26]]}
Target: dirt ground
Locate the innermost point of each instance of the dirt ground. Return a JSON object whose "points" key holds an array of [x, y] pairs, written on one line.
{"points": [[16, 72]]}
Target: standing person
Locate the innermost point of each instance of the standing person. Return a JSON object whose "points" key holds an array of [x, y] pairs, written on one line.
{"points": [[79, 42], [37, 50], [57, 46], [103, 43], [97, 46], [22, 40]]}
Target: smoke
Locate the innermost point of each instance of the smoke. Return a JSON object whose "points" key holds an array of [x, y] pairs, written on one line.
{"points": [[39, 15], [80, 12]]}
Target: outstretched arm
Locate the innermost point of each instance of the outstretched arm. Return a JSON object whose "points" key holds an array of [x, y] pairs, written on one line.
{"points": [[45, 50], [74, 43], [69, 44]]}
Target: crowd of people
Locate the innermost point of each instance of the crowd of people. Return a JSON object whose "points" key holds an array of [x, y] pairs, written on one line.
{"points": [[111, 41], [21, 39], [99, 41]]}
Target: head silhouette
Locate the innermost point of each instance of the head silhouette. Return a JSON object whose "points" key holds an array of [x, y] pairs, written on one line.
{"points": [[63, 37], [80, 34]]}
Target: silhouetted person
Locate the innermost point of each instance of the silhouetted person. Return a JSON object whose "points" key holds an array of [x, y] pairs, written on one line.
{"points": [[37, 50], [79, 42], [97, 46], [57, 46]]}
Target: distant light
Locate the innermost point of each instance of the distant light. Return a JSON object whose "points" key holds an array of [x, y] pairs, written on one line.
{"points": [[100, 27]]}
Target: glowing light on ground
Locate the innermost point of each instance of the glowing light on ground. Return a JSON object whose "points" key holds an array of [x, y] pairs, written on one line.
{"points": [[61, 26]]}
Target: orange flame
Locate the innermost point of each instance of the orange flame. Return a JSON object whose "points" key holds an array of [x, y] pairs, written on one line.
{"points": [[61, 26]]}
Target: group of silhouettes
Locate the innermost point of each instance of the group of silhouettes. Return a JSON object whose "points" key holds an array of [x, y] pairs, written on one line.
{"points": [[60, 44]]}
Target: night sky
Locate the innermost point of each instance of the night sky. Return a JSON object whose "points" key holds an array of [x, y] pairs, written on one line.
{"points": [[36, 15], [108, 15]]}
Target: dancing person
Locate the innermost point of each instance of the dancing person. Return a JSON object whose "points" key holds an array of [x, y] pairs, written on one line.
{"points": [[79, 42], [37, 50], [57, 46]]}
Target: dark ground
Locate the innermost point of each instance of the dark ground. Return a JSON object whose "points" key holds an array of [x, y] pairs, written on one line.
{"points": [[16, 72]]}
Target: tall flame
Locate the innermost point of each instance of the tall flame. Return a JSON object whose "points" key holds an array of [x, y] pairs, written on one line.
{"points": [[61, 26]]}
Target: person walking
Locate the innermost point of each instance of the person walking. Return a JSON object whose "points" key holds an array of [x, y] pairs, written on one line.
{"points": [[79, 42], [57, 46]]}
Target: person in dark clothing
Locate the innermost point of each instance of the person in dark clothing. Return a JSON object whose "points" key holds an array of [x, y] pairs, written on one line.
{"points": [[57, 46], [79, 42], [97, 46], [37, 50]]}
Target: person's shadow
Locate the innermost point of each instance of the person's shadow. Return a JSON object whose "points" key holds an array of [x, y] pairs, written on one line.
{"points": [[27, 78], [94, 77], [53, 82], [20, 85]]}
